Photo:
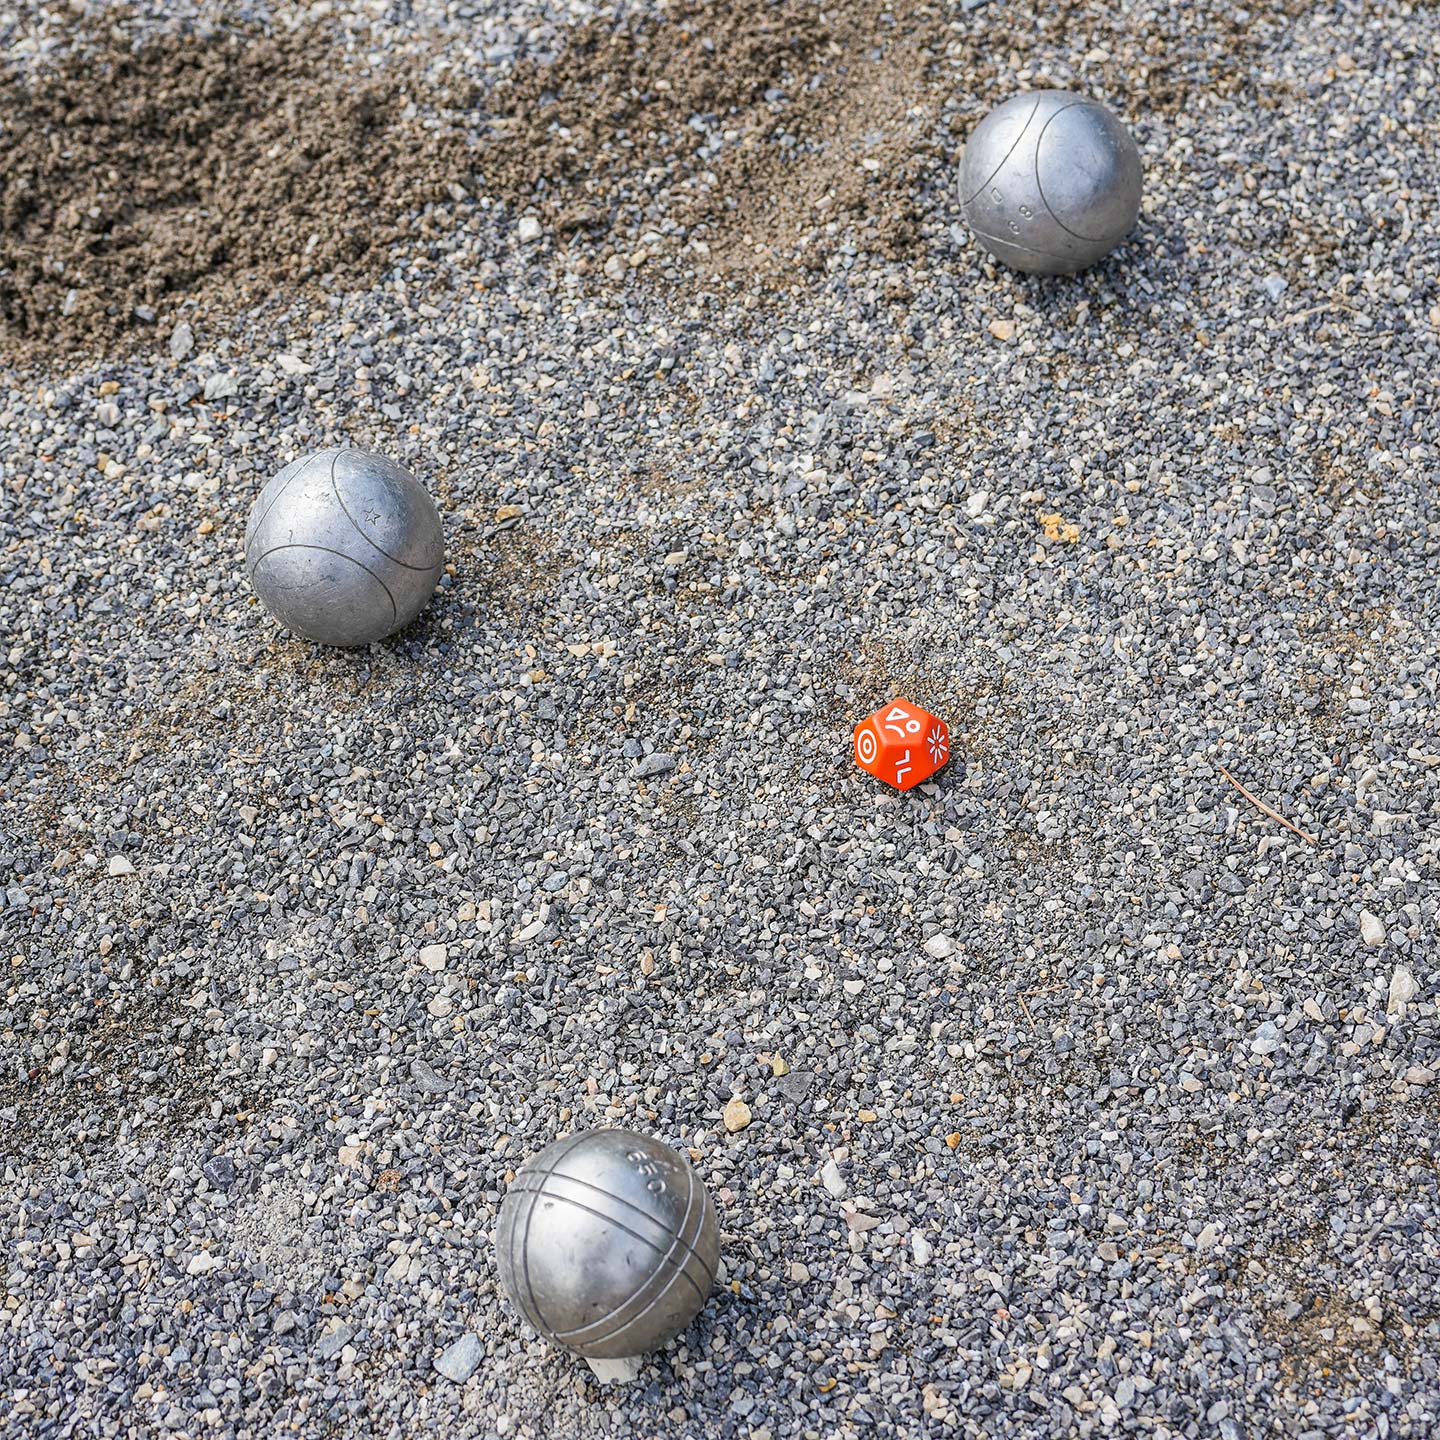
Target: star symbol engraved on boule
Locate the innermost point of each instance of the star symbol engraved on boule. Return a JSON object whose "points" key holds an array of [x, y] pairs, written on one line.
{"points": [[373, 516]]}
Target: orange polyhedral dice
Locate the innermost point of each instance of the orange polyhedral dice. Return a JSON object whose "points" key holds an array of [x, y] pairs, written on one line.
{"points": [[902, 744]]}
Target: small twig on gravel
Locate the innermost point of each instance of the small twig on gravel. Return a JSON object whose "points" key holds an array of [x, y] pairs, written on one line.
{"points": [[1316, 309], [1262, 806], [1039, 990], [1047, 989]]}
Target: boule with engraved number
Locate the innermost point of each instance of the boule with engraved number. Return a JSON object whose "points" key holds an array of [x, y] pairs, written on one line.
{"points": [[344, 547], [608, 1243], [1050, 182]]}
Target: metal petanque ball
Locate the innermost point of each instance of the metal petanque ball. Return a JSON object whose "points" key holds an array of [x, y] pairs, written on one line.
{"points": [[344, 547], [608, 1243], [1050, 182]]}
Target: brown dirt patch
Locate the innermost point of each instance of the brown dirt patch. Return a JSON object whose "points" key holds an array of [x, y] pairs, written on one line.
{"points": [[759, 129], [222, 167]]}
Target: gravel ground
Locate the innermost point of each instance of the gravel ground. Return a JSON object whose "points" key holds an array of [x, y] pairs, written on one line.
{"points": [[1125, 1093]]}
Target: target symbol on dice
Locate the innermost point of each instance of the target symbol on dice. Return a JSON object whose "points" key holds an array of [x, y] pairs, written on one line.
{"points": [[865, 746], [939, 748]]}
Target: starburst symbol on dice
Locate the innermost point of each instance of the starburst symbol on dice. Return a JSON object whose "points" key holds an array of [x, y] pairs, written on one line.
{"points": [[901, 744], [938, 741]]}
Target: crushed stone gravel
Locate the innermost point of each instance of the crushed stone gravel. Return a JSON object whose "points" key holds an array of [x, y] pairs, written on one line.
{"points": [[1082, 1098]]}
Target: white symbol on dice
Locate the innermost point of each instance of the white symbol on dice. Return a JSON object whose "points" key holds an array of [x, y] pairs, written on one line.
{"points": [[865, 746], [912, 725], [903, 767], [938, 747]]}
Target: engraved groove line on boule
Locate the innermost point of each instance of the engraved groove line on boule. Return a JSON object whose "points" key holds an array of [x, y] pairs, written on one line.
{"points": [[625, 1229], [619, 1225], [1014, 244], [536, 1313], [640, 1289], [1001, 164], [664, 1290], [628, 1204], [355, 524], [567, 1336], [298, 466], [658, 1273], [327, 550], [1040, 188]]}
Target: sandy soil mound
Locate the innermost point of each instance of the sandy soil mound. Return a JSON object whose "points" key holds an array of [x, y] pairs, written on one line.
{"points": [[221, 167]]}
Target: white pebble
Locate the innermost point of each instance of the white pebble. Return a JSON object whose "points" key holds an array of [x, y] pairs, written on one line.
{"points": [[1266, 1040], [1402, 991], [615, 1372]]}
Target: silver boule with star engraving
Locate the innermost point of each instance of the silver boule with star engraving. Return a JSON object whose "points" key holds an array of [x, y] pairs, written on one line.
{"points": [[1050, 182], [608, 1243], [344, 547]]}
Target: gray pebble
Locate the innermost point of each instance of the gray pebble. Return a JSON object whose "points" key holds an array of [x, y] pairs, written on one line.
{"points": [[459, 1360], [220, 1171]]}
